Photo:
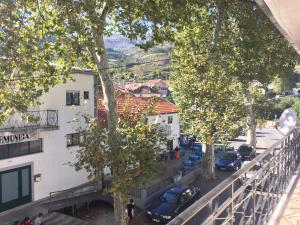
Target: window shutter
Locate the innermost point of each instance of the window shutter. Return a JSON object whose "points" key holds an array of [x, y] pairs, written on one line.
{"points": [[76, 98]]}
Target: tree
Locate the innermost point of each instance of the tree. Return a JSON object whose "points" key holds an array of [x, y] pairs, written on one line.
{"points": [[139, 144], [286, 83], [256, 51], [28, 53], [209, 99], [78, 27]]}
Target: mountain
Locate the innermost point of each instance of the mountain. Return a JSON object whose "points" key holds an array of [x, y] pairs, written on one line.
{"points": [[118, 43]]}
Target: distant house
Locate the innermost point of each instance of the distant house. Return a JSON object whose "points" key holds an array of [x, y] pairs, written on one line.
{"points": [[138, 89], [160, 86], [165, 113]]}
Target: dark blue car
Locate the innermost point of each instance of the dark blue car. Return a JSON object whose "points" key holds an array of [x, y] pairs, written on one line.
{"points": [[229, 161], [172, 202]]}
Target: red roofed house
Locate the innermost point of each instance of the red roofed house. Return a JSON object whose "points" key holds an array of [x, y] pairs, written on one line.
{"points": [[165, 113]]}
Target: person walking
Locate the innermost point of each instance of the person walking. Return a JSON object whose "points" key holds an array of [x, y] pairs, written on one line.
{"points": [[130, 211], [39, 219], [177, 156]]}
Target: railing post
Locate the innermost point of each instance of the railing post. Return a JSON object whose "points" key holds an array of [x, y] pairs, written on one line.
{"points": [[47, 111], [254, 201], [232, 204]]}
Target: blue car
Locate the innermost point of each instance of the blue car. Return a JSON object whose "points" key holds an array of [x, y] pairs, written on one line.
{"points": [[231, 161], [172, 202]]}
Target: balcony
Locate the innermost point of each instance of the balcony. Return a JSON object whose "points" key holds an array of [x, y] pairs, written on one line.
{"points": [[32, 120]]}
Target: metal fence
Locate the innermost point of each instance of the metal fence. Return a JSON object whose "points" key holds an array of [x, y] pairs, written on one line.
{"points": [[250, 195], [31, 120]]}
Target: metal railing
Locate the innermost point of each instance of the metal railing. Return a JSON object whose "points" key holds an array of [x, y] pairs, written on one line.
{"points": [[47, 119], [250, 195], [88, 188], [164, 129]]}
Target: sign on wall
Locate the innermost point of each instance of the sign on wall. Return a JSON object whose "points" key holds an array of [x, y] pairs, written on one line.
{"points": [[13, 138]]}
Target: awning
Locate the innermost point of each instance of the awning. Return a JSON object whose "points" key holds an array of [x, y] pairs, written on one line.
{"points": [[285, 14]]}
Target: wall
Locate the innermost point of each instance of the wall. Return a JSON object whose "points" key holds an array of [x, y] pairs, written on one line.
{"points": [[52, 162], [175, 128]]}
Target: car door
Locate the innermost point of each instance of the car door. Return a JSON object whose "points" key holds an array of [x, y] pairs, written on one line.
{"points": [[239, 159], [186, 199]]}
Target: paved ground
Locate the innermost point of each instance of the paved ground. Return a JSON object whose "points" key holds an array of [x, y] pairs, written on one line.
{"points": [[291, 214]]}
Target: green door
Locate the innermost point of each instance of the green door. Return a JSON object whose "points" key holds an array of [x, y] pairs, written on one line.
{"points": [[15, 187]]}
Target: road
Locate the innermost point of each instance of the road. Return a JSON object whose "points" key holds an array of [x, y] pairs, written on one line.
{"points": [[266, 137]]}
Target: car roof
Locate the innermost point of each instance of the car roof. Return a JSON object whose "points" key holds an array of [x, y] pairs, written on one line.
{"points": [[245, 145], [230, 152], [177, 189]]}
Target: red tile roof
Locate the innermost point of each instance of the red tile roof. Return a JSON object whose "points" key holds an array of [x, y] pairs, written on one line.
{"points": [[129, 102], [152, 83]]}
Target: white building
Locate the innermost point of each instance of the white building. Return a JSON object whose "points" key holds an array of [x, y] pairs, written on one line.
{"points": [[34, 155]]}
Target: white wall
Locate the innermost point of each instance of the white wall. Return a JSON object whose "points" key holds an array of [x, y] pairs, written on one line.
{"points": [[52, 162], [175, 128]]}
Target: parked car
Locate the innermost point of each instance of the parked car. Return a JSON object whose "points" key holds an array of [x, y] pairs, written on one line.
{"points": [[172, 202], [231, 161], [220, 149], [250, 174], [247, 152]]}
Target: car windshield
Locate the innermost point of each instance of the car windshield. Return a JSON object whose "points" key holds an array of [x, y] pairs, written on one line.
{"points": [[229, 156], [170, 197], [244, 149]]}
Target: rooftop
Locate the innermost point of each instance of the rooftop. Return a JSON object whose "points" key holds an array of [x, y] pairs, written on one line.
{"points": [[129, 102]]}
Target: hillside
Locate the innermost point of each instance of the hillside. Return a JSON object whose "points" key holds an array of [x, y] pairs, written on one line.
{"points": [[123, 52]]}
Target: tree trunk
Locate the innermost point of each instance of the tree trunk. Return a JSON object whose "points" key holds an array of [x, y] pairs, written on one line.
{"points": [[110, 104], [250, 119], [208, 162], [120, 216]]}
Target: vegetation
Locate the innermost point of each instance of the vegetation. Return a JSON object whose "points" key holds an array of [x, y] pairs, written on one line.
{"points": [[139, 148], [51, 36], [28, 55], [209, 100]]}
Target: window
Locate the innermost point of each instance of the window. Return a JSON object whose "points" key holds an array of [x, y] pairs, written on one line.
{"points": [[170, 145], [170, 119], [86, 95], [73, 139], [72, 98], [20, 149]]}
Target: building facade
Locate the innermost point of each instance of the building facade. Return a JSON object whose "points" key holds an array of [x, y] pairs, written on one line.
{"points": [[35, 151]]}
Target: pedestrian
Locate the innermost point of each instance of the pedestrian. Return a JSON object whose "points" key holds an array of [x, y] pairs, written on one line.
{"points": [[177, 156], [27, 221], [130, 211], [39, 219]]}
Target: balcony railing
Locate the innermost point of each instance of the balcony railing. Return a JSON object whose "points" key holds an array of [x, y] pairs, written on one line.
{"points": [[164, 129], [42, 119], [250, 195]]}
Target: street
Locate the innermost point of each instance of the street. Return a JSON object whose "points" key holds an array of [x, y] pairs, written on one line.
{"points": [[266, 137]]}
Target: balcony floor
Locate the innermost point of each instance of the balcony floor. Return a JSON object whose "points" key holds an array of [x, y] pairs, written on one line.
{"points": [[291, 212]]}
